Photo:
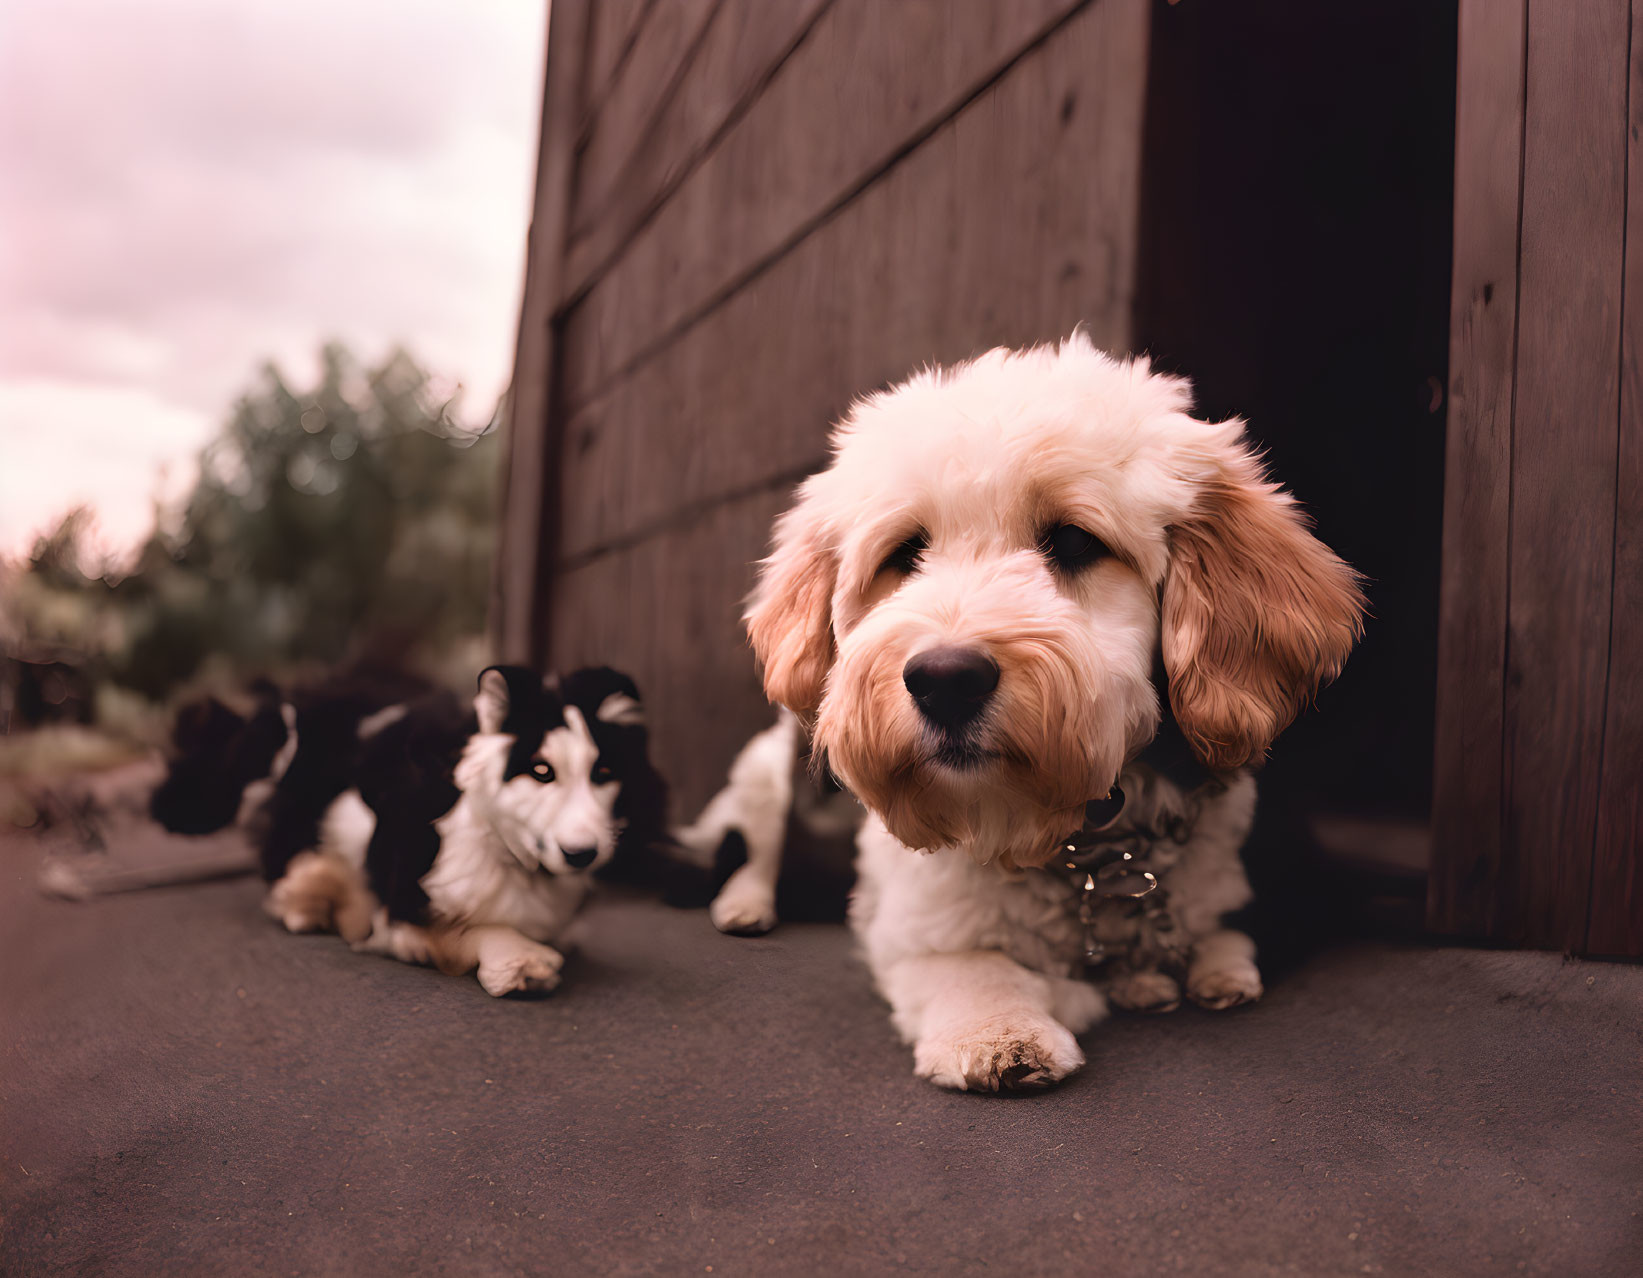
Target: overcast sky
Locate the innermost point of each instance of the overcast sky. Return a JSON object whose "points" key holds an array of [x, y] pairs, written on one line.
{"points": [[188, 187]]}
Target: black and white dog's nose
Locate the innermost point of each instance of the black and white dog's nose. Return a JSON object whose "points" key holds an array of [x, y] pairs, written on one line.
{"points": [[579, 858], [950, 685]]}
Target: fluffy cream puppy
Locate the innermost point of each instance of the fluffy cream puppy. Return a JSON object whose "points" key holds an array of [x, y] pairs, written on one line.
{"points": [[967, 607]]}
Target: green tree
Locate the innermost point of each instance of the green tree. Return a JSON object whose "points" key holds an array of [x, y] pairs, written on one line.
{"points": [[353, 515]]}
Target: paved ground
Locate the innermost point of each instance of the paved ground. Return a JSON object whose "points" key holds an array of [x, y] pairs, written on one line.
{"points": [[185, 1089]]}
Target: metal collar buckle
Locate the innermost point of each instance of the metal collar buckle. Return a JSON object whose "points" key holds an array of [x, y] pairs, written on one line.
{"points": [[1107, 865], [1102, 868]]}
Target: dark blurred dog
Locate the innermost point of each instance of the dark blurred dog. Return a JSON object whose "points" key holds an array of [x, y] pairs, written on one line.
{"points": [[217, 754], [228, 766]]}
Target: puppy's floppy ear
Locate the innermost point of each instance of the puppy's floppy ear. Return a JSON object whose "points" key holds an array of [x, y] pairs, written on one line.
{"points": [[789, 617], [1257, 612], [501, 688]]}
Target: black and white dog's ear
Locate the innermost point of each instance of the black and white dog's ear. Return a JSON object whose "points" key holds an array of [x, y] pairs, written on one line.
{"points": [[610, 695], [501, 690], [492, 700], [622, 709]]}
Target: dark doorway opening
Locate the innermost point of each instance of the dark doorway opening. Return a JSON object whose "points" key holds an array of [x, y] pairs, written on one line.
{"points": [[1295, 263]]}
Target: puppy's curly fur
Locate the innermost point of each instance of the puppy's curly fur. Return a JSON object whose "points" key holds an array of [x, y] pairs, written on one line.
{"points": [[942, 524]]}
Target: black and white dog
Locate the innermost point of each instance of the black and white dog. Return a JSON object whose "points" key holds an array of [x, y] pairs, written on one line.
{"points": [[777, 839], [440, 834]]}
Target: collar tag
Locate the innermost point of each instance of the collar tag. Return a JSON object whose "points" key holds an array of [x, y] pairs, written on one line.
{"points": [[1099, 816], [1100, 866], [1101, 813]]}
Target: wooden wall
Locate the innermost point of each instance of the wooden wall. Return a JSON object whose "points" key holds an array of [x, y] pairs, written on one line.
{"points": [[1538, 813], [749, 211]]}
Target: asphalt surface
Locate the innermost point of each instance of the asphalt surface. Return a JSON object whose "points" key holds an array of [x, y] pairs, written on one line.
{"points": [[184, 1089]]}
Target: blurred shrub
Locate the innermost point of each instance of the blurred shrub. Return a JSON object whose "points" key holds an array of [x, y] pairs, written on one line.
{"points": [[349, 518]]}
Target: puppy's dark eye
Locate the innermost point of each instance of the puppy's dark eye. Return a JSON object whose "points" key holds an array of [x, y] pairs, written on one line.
{"points": [[602, 775], [1070, 547], [905, 557], [542, 770]]}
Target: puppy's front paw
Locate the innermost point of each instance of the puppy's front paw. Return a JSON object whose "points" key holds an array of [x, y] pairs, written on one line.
{"points": [[1222, 973], [532, 971], [1146, 991], [1218, 988], [744, 907], [1076, 1004], [1009, 1054]]}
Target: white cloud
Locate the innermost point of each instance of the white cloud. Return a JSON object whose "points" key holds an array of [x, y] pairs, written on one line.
{"points": [[194, 186], [113, 448]]}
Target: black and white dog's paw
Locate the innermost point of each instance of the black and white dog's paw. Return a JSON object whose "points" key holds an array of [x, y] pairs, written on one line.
{"points": [[745, 906], [533, 970]]}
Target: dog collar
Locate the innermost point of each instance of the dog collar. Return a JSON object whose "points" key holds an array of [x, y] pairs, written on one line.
{"points": [[1100, 862], [1101, 868], [1113, 860], [1111, 857]]}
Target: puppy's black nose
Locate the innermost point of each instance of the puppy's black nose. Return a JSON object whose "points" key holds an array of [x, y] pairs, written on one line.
{"points": [[579, 858], [950, 685]]}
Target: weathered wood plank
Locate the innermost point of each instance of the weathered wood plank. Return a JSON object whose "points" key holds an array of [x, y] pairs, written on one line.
{"points": [[742, 49], [867, 84], [1469, 888], [524, 555], [642, 90], [1014, 222], [1616, 926], [668, 611], [1563, 462], [612, 28]]}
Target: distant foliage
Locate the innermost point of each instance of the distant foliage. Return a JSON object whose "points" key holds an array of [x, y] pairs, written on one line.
{"points": [[350, 517]]}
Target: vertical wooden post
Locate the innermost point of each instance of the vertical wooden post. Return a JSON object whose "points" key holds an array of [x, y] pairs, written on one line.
{"points": [[1467, 887], [1616, 925], [528, 518], [1537, 744]]}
